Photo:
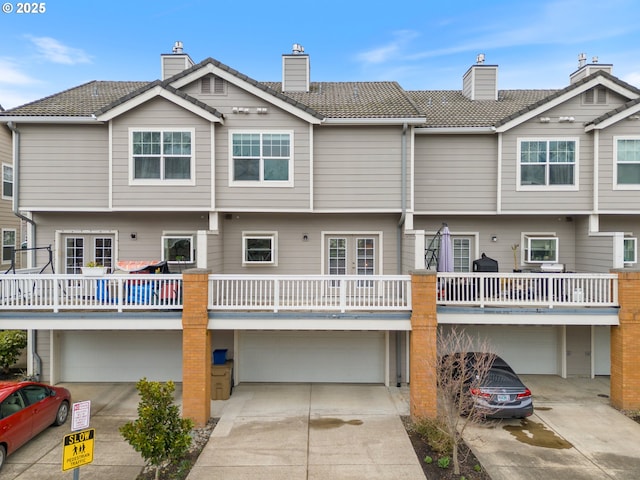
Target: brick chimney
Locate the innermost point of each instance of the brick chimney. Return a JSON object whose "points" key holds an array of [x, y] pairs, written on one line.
{"points": [[176, 62]]}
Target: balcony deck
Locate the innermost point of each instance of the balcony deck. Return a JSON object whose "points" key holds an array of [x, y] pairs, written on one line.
{"points": [[298, 296]]}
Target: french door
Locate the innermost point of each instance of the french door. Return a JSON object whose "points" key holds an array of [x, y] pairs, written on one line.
{"points": [[352, 255], [82, 249]]}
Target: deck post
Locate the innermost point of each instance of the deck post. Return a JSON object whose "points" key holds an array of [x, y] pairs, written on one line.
{"points": [[423, 347], [196, 347], [625, 344]]}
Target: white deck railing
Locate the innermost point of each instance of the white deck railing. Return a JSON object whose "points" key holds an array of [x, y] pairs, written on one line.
{"points": [[76, 292], [528, 289], [310, 293]]}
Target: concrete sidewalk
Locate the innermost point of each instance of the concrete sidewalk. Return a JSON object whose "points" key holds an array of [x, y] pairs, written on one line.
{"points": [[303, 431]]}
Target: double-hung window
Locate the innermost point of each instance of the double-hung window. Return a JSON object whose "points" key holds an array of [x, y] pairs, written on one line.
{"points": [[259, 248], [162, 156], [548, 164], [8, 244], [541, 249], [627, 167], [630, 250], [261, 158], [7, 181]]}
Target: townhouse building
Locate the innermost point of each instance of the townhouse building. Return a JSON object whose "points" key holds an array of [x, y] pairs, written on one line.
{"points": [[216, 173]]}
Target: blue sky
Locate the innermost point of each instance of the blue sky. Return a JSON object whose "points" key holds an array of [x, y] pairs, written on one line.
{"points": [[422, 44]]}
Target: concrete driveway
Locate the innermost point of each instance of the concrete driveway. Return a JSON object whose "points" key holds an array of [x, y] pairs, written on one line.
{"points": [[309, 432], [574, 433], [112, 405]]}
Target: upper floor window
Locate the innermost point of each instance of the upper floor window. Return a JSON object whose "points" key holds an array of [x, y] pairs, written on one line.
{"points": [[7, 181], [548, 163], [627, 168], [162, 155], [261, 159], [595, 95]]}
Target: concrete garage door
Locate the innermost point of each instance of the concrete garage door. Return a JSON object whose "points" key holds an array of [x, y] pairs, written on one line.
{"points": [[340, 357], [528, 349], [125, 356]]}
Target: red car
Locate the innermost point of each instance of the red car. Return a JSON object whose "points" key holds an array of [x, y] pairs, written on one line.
{"points": [[26, 409]]}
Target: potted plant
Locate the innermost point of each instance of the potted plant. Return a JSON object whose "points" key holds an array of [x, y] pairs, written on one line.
{"points": [[93, 269]]}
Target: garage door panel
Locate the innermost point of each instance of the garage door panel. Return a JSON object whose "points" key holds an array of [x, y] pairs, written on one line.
{"points": [[528, 349], [109, 356], [340, 357]]}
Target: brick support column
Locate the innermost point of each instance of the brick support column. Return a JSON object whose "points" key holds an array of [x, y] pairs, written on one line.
{"points": [[625, 344], [196, 347], [423, 349]]}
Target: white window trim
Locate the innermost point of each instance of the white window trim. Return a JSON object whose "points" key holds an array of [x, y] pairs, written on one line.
{"points": [[635, 251], [525, 251], [188, 236], [547, 188], [262, 183], [7, 165], [148, 181], [616, 186], [273, 236], [15, 243]]}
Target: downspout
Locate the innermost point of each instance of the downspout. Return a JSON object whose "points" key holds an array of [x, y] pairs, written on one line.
{"points": [[403, 196], [16, 184]]}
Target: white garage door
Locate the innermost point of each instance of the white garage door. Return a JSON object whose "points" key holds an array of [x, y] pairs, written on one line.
{"points": [[528, 349], [340, 357], [108, 356]]}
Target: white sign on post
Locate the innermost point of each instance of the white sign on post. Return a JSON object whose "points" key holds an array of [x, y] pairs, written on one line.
{"points": [[80, 414]]}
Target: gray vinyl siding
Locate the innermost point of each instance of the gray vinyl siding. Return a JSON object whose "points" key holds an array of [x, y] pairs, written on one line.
{"points": [[608, 198], [172, 65], [64, 167], [456, 173], [149, 228], [296, 256], [215, 250], [480, 83], [295, 70], [259, 197], [358, 168], [7, 219], [593, 253], [508, 229], [408, 253], [548, 199], [43, 349], [161, 114]]}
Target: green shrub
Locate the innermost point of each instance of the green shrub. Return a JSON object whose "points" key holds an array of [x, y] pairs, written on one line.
{"points": [[433, 432], [159, 434], [444, 462], [428, 460], [12, 342]]}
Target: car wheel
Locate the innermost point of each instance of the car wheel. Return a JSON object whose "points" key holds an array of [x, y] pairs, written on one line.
{"points": [[3, 455], [63, 413]]}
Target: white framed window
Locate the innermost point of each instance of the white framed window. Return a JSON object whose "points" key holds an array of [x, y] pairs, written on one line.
{"points": [[626, 171], [630, 250], [548, 164], [162, 156], [177, 248], [540, 249], [8, 244], [259, 248], [7, 181], [261, 159]]}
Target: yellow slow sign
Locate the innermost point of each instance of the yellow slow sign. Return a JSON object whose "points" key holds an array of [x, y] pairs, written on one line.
{"points": [[77, 449]]}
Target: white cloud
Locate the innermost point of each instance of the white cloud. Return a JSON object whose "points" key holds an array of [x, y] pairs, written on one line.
{"points": [[11, 74], [389, 51], [56, 52], [633, 78]]}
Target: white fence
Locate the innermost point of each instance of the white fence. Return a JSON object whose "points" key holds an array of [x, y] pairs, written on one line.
{"points": [[77, 292], [310, 293], [528, 289]]}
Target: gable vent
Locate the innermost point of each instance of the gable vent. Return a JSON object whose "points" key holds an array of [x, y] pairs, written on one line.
{"points": [[596, 95], [217, 87], [205, 85]]}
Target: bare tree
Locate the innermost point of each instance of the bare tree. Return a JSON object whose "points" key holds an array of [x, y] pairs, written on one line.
{"points": [[463, 366]]}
